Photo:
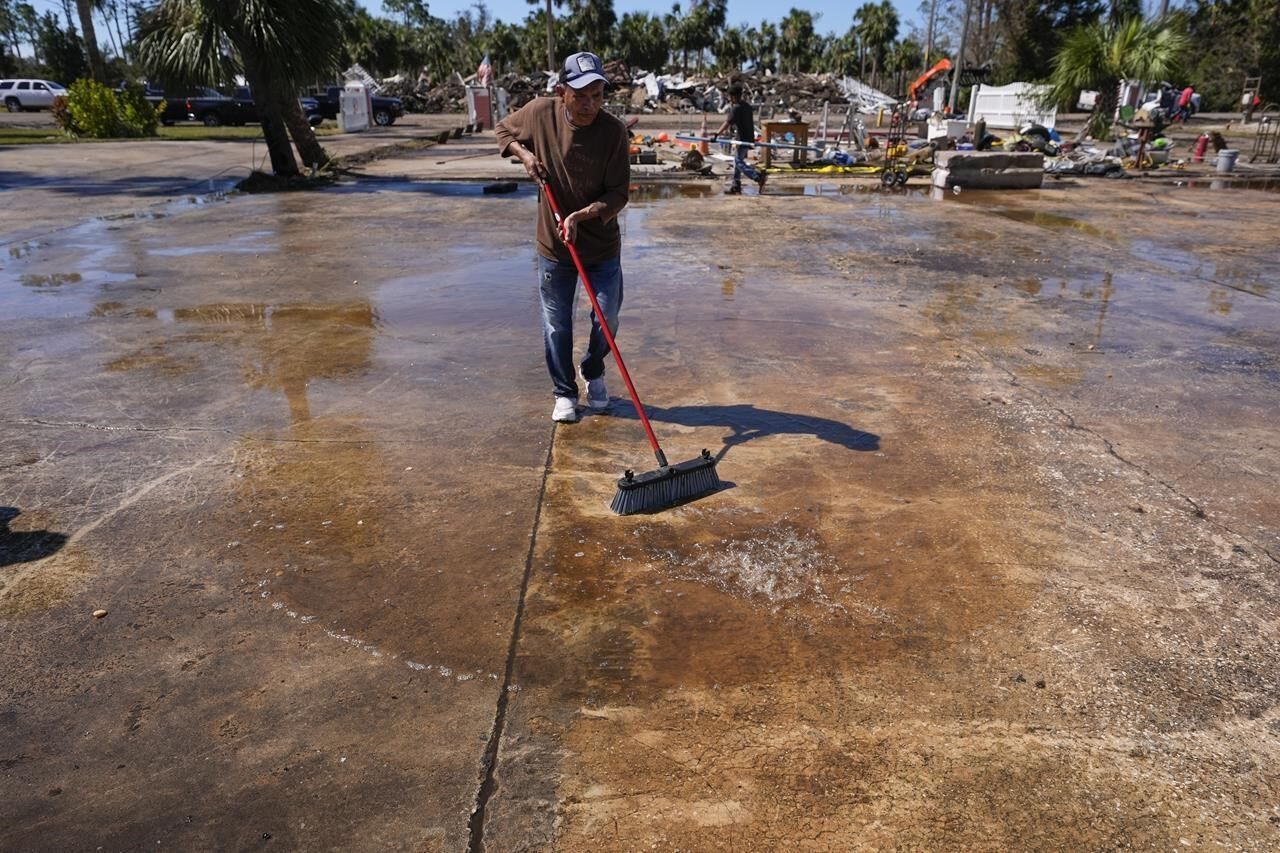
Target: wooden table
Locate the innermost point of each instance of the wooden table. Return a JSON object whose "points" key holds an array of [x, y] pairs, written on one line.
{"points": [[799, 130]]}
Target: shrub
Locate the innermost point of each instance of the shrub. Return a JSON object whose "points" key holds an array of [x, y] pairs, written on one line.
{"points": [[62, 114], [98, 112], [138, 115]]}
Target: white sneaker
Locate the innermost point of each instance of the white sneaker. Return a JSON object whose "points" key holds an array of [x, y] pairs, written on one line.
{"points": [[597, 394], [566, 410]]}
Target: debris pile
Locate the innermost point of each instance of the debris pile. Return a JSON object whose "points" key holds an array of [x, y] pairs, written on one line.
{"points": [[675, 93], [645, 92]]}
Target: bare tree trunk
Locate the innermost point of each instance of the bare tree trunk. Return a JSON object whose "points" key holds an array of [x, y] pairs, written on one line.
{"points": [[988, 39], [120, 34], [964, 37], [304, 138], [111, 35], [928, 38], [96, 66], [274, 130], [551, 40]]}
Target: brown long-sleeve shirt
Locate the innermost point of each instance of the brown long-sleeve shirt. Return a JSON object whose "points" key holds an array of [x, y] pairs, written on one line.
{"points": [[585, 164]]}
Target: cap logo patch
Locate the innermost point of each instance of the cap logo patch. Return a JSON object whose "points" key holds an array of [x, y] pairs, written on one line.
{"points": [[585, 63]]}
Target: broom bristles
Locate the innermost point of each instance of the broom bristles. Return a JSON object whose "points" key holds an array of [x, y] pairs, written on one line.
{"points": [[667, 486]]}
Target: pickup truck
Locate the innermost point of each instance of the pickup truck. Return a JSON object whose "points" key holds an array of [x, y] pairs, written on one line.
{"points": [[385, 110], [213, 109]]}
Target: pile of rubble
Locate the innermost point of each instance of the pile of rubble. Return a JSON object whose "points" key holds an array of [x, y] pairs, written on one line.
{"points": [[424, 95], [675, 93], [645, 92]]}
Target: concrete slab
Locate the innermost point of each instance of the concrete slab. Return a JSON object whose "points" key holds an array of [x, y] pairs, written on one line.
{"points": [[996, 567]]}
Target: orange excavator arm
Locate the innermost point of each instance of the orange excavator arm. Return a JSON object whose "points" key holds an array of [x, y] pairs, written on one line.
{"points": [[941, 67]]}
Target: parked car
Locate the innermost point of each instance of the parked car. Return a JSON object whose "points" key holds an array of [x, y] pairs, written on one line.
{"points": [[30, 94], [385, 110], [176, 105], [213, 109]]}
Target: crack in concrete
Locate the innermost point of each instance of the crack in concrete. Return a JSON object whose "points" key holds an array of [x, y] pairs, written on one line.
{"points": [[1072, 423], [489, 784]]}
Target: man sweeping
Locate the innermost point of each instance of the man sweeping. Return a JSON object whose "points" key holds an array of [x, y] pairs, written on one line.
{"points": [[581, 152], [742, 121]]}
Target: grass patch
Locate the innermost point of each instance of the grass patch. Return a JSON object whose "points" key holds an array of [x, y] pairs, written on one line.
{"points": [[197, 132], [179, 132], [31, 135]]}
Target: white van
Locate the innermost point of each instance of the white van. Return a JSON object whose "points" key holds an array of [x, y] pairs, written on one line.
{"points": [[18, 95]]}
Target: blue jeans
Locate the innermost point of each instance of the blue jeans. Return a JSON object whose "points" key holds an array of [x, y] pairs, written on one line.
{"points": [[742, 167], [557, 285]]}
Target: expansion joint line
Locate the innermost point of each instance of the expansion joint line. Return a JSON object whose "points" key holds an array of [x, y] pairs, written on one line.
{"points": [[490, 761]]}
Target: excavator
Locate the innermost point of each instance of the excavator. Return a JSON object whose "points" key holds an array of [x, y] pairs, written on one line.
{"points": [[942, 66]]}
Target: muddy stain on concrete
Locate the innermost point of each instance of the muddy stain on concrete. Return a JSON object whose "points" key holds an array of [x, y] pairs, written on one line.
{"points": [[994, 567], [890, 650]]}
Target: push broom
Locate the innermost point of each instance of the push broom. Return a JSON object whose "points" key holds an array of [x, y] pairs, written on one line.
{"points": [[667, 485]]}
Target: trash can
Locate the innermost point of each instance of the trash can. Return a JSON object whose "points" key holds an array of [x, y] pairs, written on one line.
{"points": [[1227, 159]]}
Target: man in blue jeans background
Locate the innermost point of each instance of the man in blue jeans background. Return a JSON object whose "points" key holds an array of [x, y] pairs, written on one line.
{"points": [[581, 151], [742, 120]]}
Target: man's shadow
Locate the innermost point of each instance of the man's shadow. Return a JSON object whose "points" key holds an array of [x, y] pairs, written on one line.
{"points": [[747, 422], [19, 546]]}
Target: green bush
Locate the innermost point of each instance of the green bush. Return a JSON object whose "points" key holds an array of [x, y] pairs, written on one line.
{"points": [[138, 115], [95, 111]]}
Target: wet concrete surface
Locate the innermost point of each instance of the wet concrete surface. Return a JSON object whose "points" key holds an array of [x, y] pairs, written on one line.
{"points": [[995, 567], [50, 187]]}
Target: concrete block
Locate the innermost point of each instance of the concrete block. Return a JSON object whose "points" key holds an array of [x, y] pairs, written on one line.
{"points": [[958, 161], [990, 179], [989, 169]]}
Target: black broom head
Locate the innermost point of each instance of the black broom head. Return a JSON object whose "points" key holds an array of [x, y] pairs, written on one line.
{"points": [[667, 486]]}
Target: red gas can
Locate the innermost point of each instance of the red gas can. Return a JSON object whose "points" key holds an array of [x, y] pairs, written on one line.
{"points": [[1201, 145]]}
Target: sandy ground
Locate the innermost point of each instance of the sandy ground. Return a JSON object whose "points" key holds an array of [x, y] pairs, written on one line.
{"points": [[995, 566]]}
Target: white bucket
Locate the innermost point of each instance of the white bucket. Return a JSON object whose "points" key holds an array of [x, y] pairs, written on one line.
{"points": [[1227, 159]]}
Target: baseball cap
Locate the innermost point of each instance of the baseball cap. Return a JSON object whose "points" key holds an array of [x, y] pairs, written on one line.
{"points": [[582, 69]]}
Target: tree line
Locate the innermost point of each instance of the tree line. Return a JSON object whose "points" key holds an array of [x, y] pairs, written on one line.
{"points": [[1014, 39]]}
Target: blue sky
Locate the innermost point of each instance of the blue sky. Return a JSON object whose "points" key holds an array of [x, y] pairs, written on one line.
{"points": [[835, 16]]}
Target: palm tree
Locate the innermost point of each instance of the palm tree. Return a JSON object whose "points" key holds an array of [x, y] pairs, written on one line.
{"points": [[593, 21], [877, 25], [841, 55], [762, 46], [550, 22], [905, 58], [1098, 56], [280, 45], [97, 69], [797, 42], [642, 41], [731, 50]]}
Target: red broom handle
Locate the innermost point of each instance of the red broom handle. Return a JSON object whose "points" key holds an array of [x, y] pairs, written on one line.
{"points": [[604, 327]]}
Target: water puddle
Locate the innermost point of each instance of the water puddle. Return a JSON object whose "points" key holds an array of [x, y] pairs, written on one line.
{"points": [[1046, 219], [1264, 184], [251, 243]]}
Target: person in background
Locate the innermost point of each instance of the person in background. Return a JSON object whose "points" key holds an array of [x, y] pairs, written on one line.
{"points": [[1184, 104], [740, 118], [582, 153]]}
